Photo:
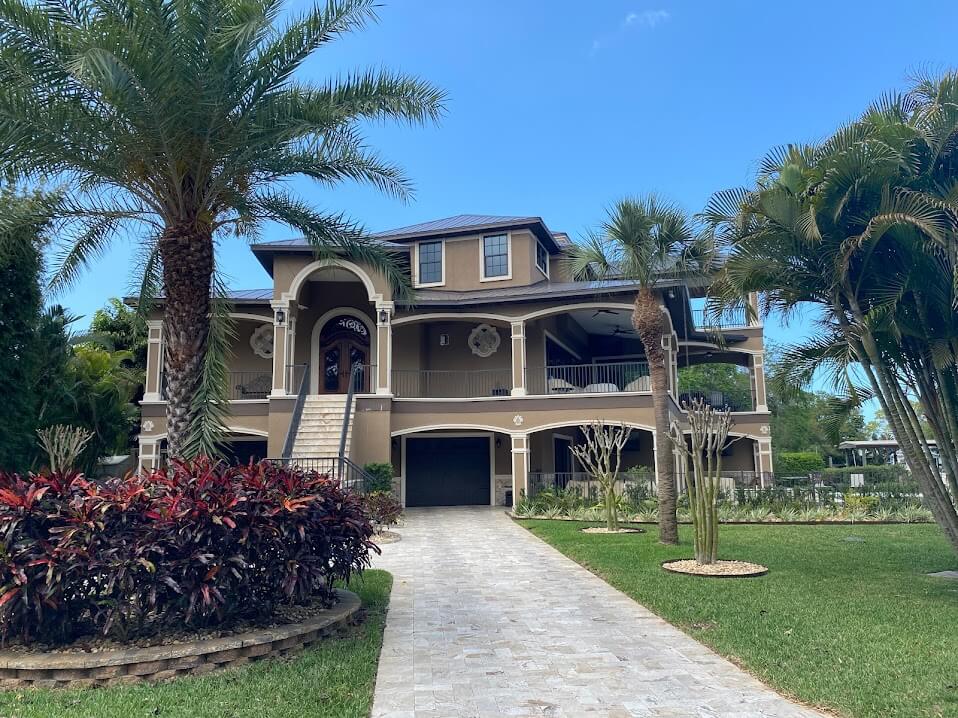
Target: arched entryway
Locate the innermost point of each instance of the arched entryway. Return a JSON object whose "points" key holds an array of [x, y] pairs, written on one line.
{"points": [[343, 340]]}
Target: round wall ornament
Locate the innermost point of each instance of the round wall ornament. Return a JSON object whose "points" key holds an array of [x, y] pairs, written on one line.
{"points": [[484, 340], [261, 341]]}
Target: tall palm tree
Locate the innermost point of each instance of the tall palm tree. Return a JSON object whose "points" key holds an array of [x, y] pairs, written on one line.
{"points": [[648, 241], [863, 228], [177, 122]]}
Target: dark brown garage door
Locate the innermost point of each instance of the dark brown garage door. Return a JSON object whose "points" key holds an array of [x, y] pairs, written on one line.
{"points": [[452, 471]]}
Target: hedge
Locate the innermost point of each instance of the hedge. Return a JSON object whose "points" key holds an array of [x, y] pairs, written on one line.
{"points": [[199, 544]]}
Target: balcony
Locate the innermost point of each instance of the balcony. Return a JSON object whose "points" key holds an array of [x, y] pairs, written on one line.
{"points": [[733, 318], [450, 384], [609, 378], [242, 385]]}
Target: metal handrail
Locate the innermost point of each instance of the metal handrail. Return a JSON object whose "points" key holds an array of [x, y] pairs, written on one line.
{"points": [[354, 374], [297, 415], [605, 378]]}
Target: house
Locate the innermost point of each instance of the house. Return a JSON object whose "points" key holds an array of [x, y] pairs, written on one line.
{"points": [[878, 452], [473, 389]]}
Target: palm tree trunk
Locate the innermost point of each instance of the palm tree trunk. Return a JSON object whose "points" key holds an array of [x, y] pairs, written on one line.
{"points": [[187, 255], [649, 323]]}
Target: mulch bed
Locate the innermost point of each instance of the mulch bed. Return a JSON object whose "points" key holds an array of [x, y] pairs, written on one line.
{"points": [[384, 537], [719, 569]]}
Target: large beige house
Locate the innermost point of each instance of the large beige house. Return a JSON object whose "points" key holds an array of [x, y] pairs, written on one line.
{"points": [[474, 388]]}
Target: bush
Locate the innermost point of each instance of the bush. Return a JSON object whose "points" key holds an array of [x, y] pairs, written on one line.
{"points": [[876, 474], [198, 544], [798, 462], [381, 477], [383, 507]]}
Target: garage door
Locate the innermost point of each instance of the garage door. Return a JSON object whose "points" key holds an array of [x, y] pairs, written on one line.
{"points": [[452, 471]]}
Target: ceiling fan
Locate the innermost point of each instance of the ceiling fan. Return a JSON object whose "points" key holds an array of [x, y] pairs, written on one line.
{"points": [[604, 311], [619, 330]]}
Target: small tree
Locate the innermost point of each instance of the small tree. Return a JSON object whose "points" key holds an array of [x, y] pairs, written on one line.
{"points": [[63, 445], [708, 431], [601, 455]]}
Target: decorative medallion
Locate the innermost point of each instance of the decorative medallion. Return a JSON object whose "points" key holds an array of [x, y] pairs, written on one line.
{"points": [[764, 428], [484, 340], [517, 420], [261, 341], [147, 425]]}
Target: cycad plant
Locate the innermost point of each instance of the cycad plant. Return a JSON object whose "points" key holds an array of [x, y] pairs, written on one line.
{"points": [[177, 123], [650, 242], [863, 229]]}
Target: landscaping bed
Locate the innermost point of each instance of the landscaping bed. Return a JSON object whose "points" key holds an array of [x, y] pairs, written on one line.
{"points": [[333, 678], [846, 617]]}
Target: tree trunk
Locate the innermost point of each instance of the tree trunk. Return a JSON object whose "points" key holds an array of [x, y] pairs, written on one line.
{"points": [[187, 254], [649, 323]]}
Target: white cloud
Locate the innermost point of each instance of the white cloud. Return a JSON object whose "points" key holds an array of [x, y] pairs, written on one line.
{"points": [[648, 19]]}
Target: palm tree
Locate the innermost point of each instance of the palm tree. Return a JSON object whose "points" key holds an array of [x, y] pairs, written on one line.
{"points": [[648, 241], [178, 122], [863, 228]]}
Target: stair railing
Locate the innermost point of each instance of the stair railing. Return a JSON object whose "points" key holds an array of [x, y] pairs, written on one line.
{"points": [[297, 415], [355, 375]]}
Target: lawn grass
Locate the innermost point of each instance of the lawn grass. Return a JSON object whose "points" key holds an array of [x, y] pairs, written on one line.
{"points": [[854, 626], [335, 680]]}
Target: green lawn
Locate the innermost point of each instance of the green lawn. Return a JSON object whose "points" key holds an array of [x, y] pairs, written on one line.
{"points": [[334, 679], [854, 626]]}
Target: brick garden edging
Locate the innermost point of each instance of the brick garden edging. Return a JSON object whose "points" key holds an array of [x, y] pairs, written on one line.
{"points": [[161, 663]]}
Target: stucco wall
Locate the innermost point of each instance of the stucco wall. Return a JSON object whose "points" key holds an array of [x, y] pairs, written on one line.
{"points": [[462, 263]]}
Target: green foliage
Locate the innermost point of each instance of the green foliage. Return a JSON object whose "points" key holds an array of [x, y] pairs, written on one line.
{"points": [[733, 381], [122, 328], [20, 314], [798, 462], [383, 508], [381, 477]]}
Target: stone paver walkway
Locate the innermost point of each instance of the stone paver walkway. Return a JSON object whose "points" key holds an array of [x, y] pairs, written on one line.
{"points": [[487, 620]]}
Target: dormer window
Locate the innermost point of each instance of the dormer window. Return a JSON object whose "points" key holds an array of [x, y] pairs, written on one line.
{"points": [[542, 259], [429, 264], [496, 259]]}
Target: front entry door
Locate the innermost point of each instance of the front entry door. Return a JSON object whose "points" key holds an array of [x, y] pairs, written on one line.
{"points": [[343, 344]]}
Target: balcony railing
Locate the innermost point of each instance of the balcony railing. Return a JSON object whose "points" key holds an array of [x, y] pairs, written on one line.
{"points": [[728, 319], [450, 384], [589, 378], [242, 385], [716, 399]]}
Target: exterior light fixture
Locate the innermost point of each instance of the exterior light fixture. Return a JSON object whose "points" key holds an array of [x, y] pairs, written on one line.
{"points": [[383, 316], [280, 317]]}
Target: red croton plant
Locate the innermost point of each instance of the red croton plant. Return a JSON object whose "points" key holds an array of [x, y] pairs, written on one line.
{"points": [[198, 544]]}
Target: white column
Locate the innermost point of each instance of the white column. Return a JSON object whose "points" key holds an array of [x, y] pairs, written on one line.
{"points": [[519, 358], [153, 390], [149, 455], [384, 347], [756, 370], [280, 345], [520, 467]]}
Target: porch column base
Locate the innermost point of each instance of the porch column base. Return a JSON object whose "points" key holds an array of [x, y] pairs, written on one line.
{"points": [[520, 467]]}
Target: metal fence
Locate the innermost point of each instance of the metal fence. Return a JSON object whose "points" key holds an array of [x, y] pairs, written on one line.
{"points": [[730, 318], [717, 399], [588, 378], [351, 476], [450, 384]]}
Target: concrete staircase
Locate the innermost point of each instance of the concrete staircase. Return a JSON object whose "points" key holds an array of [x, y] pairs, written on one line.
{"points": [[321, 426]]}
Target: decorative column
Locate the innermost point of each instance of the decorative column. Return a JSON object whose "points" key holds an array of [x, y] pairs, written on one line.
{"points": [[753, 303], [384, 347], [153, 391], [756, 372], [280, 347], [520, 467], [763, 458], [519, 358]]}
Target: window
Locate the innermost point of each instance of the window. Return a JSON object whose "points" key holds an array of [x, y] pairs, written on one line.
{"points": [[542, 259], [495, 257], [430, 263]]}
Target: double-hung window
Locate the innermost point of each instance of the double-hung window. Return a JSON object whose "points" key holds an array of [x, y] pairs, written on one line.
{"points": [[429, 256], [495, 257], [542, 259]]}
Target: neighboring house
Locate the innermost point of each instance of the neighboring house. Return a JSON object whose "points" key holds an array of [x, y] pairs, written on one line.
{"points": [[875, 452], [474, 390]]}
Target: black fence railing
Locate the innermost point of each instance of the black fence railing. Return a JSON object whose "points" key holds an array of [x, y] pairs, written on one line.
{"points": [[350, 475], [731, 318], [636, 484], [450, 384], [717, 399], [608, 378]]}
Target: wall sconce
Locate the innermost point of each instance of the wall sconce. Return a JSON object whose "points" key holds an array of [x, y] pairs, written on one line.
{"points": [[443, 340], [280, 317], [498, 443], [383, 316]]}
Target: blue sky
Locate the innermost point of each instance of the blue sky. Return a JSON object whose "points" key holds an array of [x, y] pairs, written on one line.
{"points": [[556, 109]]}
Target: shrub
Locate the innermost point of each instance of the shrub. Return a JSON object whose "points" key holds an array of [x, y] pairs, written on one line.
{"points": [[860, 502], [383, 507], [198, 544], [798, 462], [876, 474], [381, 477]]}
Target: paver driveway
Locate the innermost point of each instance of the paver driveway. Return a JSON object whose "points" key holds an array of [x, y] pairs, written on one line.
{"points": [[487, 620]]}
